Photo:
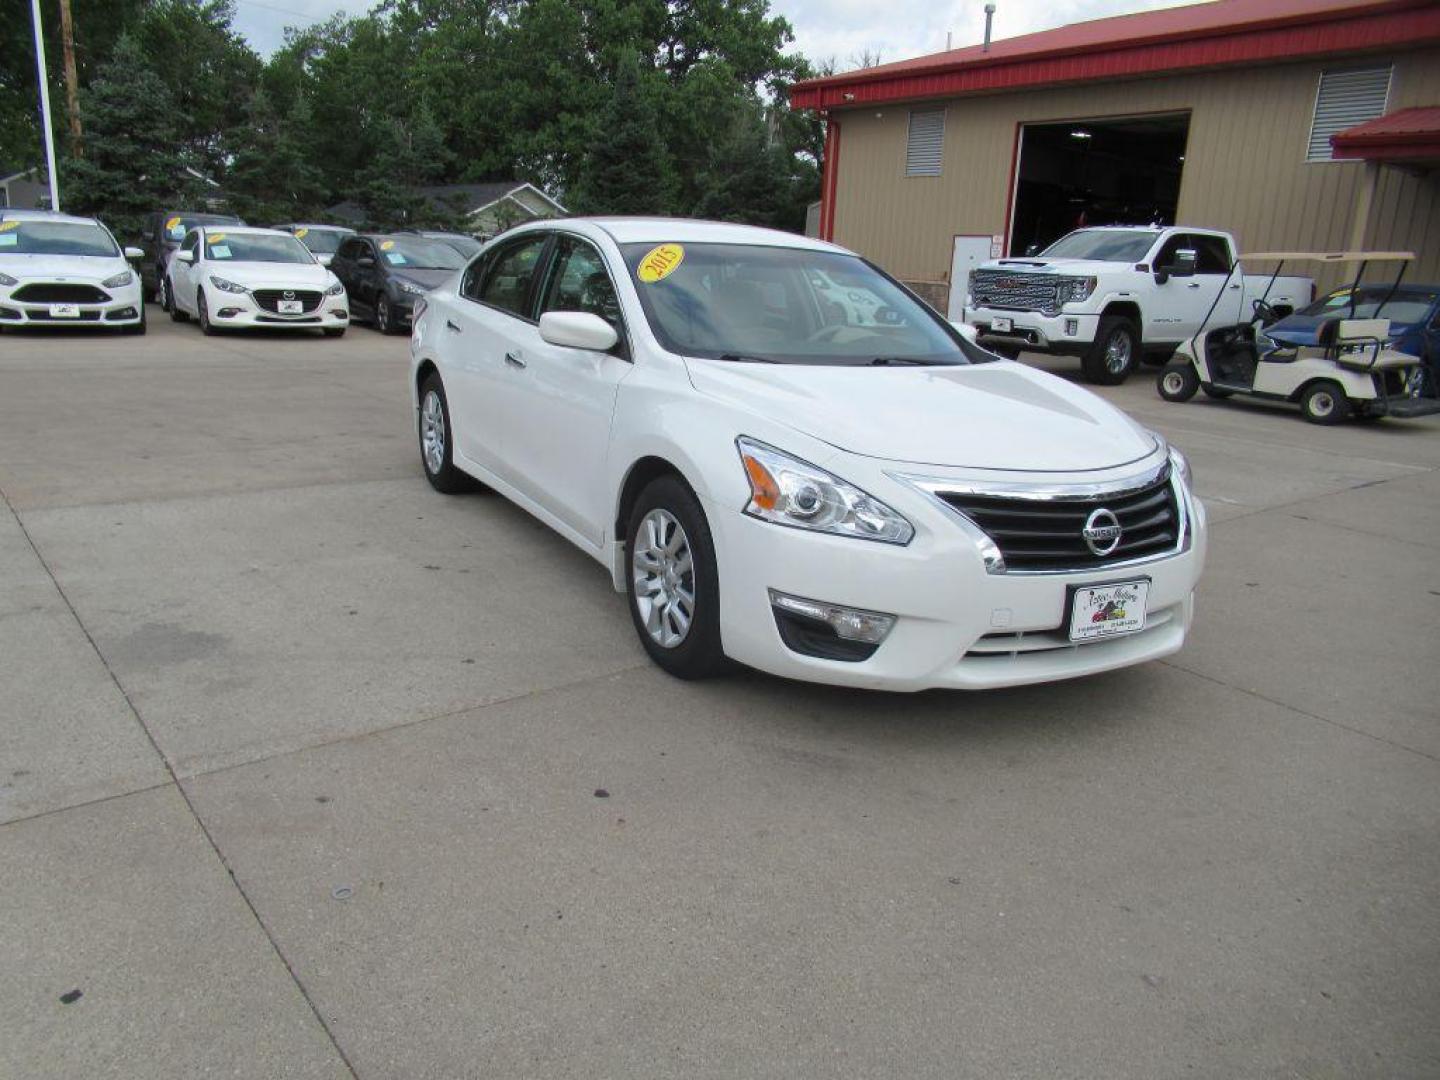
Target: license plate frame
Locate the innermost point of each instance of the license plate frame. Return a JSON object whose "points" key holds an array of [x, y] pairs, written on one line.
{"points": [[64, 311], [1002, 324], [290, 307], [1085, 604]]}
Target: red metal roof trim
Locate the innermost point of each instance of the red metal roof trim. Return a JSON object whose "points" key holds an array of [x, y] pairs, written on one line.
{"points": [[1406, 134], [1137, 45]]}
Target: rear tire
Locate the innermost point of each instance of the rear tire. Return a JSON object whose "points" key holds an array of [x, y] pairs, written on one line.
{"points": [[437, 438], [1178, 382], [1325, 403], [669, 567], [1114, 353]]}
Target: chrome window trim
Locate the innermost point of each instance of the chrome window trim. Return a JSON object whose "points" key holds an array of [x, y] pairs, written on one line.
{"points": [[935, 489]]}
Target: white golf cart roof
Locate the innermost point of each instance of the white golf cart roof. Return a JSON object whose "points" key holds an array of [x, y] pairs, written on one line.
{"points": [[1332, 256]]}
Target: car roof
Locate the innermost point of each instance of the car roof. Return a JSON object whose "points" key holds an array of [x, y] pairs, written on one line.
{"points": [[46, 215], [240, 230], [660, 230], [314, 225]]}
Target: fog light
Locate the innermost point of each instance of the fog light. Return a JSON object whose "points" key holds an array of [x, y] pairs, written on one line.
{"points": [[227, 313], [339, 313], [1072, 327], [829, 631]]}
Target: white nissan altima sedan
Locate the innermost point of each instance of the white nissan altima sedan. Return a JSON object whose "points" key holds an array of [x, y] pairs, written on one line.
{"points": [[233, 276], [773, 479]]}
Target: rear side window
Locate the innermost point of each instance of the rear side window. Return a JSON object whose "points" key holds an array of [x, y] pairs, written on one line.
{"points": [[509, 274]]}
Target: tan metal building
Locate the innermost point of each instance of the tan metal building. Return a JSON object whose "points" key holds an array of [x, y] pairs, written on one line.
{"points": [[1217, 115]]}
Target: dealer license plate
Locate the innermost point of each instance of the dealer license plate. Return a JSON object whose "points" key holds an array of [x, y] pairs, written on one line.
{"points": [[1001, 325], [1102, 611], [292, 307], [64, 311]]}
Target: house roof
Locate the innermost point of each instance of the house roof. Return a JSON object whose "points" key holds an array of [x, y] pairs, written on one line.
{"points": [[1404, 135], [468, 198], [1193, 37]]}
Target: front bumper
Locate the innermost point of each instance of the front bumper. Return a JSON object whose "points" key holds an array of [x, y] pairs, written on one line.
{"points": [[957, 626], [122, 307], [1066, 333], [243, 311]]}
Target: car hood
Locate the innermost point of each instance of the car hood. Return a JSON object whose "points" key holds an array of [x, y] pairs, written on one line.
{"points": [[1068, 267], [72, 267], [424, 277], [986, 416], [1304, 329], [263, 275]]}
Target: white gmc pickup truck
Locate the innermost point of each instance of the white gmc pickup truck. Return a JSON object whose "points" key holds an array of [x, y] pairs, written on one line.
{"points": [[1110, 295]]}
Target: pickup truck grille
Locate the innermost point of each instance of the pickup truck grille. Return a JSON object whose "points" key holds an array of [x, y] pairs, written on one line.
{"points": [[1047, 534], [1016, 292]]}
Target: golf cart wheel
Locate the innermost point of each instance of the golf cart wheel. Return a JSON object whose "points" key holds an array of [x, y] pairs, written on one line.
{"points": [[1115, 353], [1178, 382], [1217, 392], [1325, 402]]}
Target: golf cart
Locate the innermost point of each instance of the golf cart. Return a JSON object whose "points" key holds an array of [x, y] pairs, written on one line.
{"points": [[1350, 370]]}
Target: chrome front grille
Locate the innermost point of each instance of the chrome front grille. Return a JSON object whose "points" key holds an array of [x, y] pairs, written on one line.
{"points": [[1015, 292], [1047, 534]]}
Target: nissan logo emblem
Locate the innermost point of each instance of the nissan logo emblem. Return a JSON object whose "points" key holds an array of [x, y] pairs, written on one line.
{"points": [[289, 295], [1101, 532]]}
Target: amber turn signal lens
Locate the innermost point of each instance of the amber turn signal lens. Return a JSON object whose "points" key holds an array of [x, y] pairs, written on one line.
{"points": [[763, 488]]}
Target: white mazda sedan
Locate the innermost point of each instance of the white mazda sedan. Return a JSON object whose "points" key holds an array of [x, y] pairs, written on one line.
{"points": [[60, 270], [233, 276], [849, 493]]}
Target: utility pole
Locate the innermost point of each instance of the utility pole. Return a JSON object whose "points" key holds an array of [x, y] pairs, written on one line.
{"points": [[72, 84], [45, 107]]}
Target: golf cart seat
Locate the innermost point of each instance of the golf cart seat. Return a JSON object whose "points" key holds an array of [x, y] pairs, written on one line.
{"points": [[1360, 344]]}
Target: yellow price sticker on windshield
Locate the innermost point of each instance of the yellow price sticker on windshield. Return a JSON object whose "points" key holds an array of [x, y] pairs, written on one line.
{"points": [[300, 233], [659, 263], [172, 223], [386, 245], [6, 226], [216, 237]]}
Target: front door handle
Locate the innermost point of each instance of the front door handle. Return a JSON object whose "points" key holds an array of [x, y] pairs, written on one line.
{"points": [[1234, 286], [1193, 285], [513, 360], [451, 326]]}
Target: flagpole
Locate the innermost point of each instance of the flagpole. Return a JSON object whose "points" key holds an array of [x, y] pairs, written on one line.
{"points": [[45, 106]]}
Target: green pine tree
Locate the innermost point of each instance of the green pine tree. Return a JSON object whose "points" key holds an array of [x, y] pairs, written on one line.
{"points": [[627, 170], [746, 180], [271, 178]]}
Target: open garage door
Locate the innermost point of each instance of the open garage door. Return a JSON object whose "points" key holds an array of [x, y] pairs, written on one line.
{"points": [[1096, 172]]}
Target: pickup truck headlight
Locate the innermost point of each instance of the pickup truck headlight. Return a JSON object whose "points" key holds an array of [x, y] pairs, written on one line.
{"points": [[1077, 288], [119, 281], [227, 286], [335, 289], [788, 491]]}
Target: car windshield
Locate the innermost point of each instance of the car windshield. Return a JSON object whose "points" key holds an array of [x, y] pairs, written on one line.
{"points": [[1103, 245], [1406, 306], [419, 254], [19, 236], [321, 241], [255, 247], [467, 246], [177, 225], [786, 306]]}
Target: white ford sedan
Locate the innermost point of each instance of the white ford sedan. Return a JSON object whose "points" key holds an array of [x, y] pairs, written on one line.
{"points": [[233, 276], [848, 493]]}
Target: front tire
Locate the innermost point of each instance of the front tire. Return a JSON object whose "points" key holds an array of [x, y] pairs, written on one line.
{"points": [[436, 436], [1114, 354], [1178, 382], [203, 310], [671, 581], [1325, 403], [384, 316]]}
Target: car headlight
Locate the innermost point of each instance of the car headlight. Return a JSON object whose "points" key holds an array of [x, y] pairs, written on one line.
{"points": [[119, 281], [788, 491], [336, 289], [227, 286], [1077, 288], [411, 288], [6, 280]]}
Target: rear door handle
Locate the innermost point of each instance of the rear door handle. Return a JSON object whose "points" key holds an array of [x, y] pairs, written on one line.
{"points": [[1193, 285], [1234, 286], [451, 326], [513, 360]]}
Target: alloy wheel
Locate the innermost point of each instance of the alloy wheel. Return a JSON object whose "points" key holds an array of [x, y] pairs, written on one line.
{"points": [[432, 432], [382, 315], [1117, 352], [664, 576]]}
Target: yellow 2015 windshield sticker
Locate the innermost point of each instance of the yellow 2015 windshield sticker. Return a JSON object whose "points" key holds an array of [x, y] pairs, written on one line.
{"points": [[300, 234], [659, 263], [6, 226], [386, 245]]}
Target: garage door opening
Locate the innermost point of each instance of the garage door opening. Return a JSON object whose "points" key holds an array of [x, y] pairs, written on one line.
{"points": [[1096, 172]]}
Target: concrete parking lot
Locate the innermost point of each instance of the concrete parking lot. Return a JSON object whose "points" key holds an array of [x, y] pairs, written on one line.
{"points": [[308, 771]]}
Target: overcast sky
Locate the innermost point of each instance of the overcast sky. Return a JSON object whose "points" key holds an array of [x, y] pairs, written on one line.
{"points": [[898, 29]]}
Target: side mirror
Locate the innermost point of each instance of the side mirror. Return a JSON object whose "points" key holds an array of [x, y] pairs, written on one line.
{"points": [[577, 330], [365, 262], [1032, 249], [1182, 265], [133, 253], [185, 256]]}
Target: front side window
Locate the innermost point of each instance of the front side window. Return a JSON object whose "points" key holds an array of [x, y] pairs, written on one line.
{"points": [[579, 282], [1212, 255], [222, 246], [786, 306], [1103, 245], [26, 237], [191, 242], [509, 272]]}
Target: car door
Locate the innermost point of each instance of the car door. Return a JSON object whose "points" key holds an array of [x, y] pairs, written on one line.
{"points": [[557, 427], [1213, 260], [184, 275], [1180, 302], [483, 339], [343, 267]]}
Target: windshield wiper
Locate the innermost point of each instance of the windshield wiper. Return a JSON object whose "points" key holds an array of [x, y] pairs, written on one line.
{"points": [[739, 358], [886, 361]]}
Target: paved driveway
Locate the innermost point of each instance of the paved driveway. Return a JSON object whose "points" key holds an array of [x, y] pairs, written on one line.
{"points": [[307, 771]]}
